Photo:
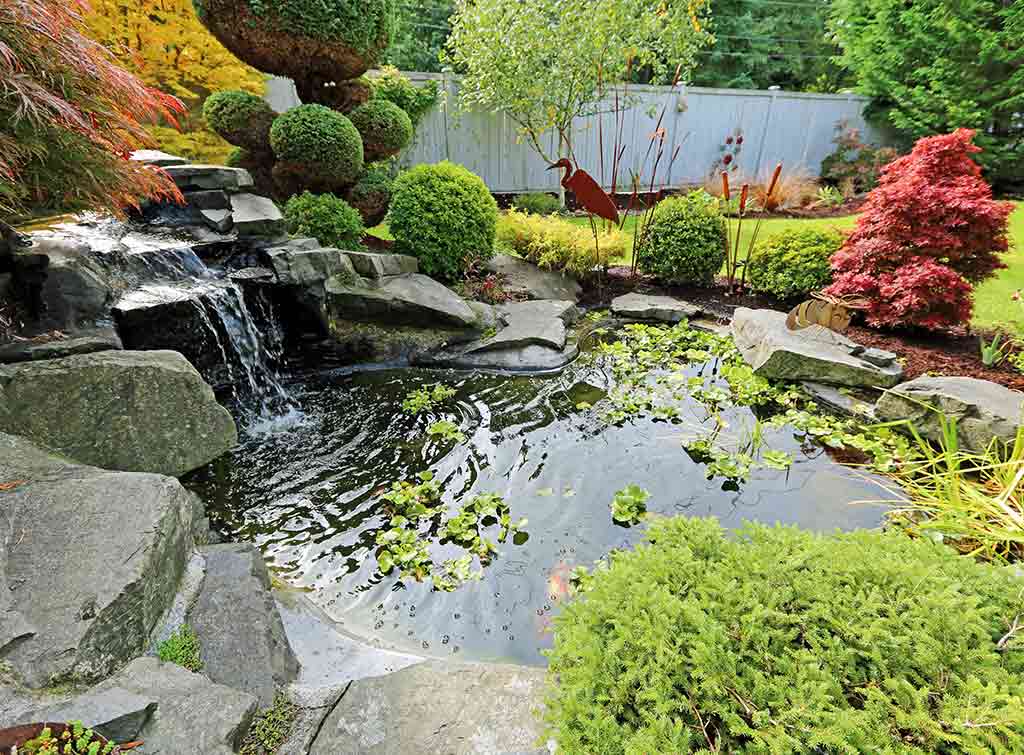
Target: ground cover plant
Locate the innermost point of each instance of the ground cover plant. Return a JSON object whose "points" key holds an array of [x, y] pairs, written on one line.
{"points": [[182, 648], [555, 244], [780, 640], [792, 265], [74, 740]]}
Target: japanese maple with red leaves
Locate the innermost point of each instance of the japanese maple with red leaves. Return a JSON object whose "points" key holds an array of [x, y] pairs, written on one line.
{"points": [[70, 116], [927, 233]]}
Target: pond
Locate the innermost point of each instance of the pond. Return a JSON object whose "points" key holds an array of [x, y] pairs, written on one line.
{"points": [[312, 496]]}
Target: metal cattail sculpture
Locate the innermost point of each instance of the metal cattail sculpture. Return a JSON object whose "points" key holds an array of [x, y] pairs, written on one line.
{"points": [[733, 263]]}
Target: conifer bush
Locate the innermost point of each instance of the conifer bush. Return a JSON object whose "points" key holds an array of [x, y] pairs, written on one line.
{"points": [[928, 231], [444, 216], [240, 118], [385, 128], [793, 263], [685, 241], [317, 145], [325, 217], [784, 641]]}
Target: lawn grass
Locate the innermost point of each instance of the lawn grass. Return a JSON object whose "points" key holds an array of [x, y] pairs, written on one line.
{"points": [[993, 306]]}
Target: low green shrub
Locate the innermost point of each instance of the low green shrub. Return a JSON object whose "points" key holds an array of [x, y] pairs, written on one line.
{"points": [[556, 244], [537, 203], [791, 264], [329, 219], [416, 101], [182, 647], [779, 640], [319, 144], [236, 157], [685, 241], [444, 216], [384, 126], [240, 118]]}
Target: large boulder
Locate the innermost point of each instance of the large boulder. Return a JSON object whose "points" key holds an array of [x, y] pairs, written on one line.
{"points": [[60, 285], [438, 708], [524, 279], [298, 266], [204, 177], [375, 265], [242, 641], [147, 411], [983, 410], [95, 561], [410, 299], [814, 353], [193, 714]]}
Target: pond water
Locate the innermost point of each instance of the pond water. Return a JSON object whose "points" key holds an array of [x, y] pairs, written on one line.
{"points": [[311, 496]]}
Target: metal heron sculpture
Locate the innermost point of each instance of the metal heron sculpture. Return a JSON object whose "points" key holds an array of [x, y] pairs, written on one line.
{"points": [[589, 193]]}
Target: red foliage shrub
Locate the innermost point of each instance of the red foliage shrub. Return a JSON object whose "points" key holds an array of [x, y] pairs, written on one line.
{"points": [[927, 232], [70, 116]]}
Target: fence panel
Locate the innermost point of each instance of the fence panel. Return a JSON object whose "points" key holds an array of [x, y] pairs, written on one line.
{"points": [[794, 128]]}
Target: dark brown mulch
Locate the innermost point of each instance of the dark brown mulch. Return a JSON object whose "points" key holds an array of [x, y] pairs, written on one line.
{"points": [[376, 243]]}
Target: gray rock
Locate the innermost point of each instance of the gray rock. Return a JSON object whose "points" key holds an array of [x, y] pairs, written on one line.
{"points": [[371, 265], [814, 353], [411, 299], [114, 712], [532, 358], [220, 221], [296, 243], [65, 286], [841, 400], [256, 216], [193, 714], [96, 561], [157, 158], [303, 267], [522, 278], [982, 410], [213, 199], [253, 274], [241, 638], [636, 306], [83, 342], [192, 177], [133, 411], [438, 708]]}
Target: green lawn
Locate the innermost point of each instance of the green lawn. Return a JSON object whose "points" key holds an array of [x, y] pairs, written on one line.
{"points": [[992, 303]]}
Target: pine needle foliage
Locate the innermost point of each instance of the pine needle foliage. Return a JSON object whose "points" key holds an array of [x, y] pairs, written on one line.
{"points": [[777, 640]]}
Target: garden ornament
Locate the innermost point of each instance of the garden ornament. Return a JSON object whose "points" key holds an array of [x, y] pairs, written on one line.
{"points": [[589, 193], [830, 312]]}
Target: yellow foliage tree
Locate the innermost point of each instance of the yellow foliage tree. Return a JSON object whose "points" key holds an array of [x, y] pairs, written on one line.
{"points": [[163, 42]]}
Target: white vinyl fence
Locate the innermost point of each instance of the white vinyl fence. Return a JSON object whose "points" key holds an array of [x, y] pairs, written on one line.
{"points": [[792, 127]]}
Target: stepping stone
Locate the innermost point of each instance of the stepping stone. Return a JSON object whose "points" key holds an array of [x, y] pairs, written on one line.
{"points": [[439, 708], [241, 639], [95, 564], [522, 278], [83, 342], [372, 265], [157, 158], [303, 267], [635, 306], [814, 353], [256, 216], [192, 177], [411, 299], [983, 410]]}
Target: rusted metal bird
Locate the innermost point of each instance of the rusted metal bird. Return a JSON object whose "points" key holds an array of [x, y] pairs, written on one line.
{"points": [[589, 193]]}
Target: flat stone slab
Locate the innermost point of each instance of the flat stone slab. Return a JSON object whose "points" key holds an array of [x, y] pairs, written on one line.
{"points": [[522, 278], [254, 215], [439, 708], [374, 265], [193, 714], [983, 410], [634, 306], [114, 712], [157, 158], [135, 411], [411, 299], [304, 267], [814, 353], [83, 342], [95, 564], [191, 177], [242, 641]]}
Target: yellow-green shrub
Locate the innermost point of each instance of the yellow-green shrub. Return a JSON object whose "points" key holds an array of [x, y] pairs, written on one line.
{"points": [[556, 244]]}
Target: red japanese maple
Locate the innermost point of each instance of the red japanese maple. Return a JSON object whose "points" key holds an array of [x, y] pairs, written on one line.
{"points": [[927, 232]]}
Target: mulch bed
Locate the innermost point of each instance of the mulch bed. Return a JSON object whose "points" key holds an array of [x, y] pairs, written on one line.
{"points": [[950, 353]]}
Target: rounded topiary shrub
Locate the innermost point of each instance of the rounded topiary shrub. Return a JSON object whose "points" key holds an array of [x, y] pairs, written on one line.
{"points": [[384, 126], [329, 219], [331, 40], [444, 216], [791, 264], [317, 145], [686, 241], [236, 157], [240, 118], [780, 640], [372, 194]]}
